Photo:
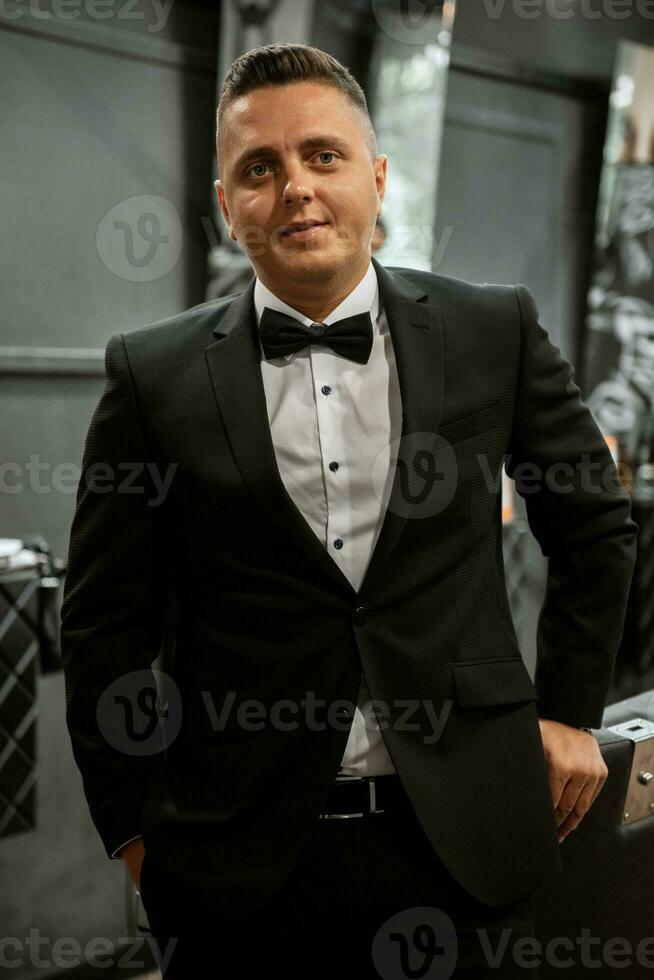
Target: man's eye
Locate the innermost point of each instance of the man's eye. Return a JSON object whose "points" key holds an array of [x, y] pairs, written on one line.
{"points": [[258, 169], [254, 167]]}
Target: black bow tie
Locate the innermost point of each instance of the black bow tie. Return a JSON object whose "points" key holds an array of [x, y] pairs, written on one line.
{"points": [[282, 334]]}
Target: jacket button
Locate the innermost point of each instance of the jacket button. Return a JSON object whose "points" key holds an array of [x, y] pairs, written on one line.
{"points": [[359, 615]]}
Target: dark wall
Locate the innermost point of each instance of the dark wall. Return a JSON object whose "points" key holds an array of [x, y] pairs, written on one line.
{"points": [[96, 114], [580, 46], [519, 65]]}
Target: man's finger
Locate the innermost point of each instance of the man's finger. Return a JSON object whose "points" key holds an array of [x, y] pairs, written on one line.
{"points": [[570, 795], [600, 782], [558, 781], [582, 805]]}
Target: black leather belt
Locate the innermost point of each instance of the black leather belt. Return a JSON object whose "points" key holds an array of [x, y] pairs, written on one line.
{"points": [[361, 796]]}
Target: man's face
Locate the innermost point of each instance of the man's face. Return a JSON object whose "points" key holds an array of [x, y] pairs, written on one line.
{"points": [[315, 165]]}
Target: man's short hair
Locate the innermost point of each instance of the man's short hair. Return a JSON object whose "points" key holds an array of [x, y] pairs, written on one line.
{"points": [[284, 64]]}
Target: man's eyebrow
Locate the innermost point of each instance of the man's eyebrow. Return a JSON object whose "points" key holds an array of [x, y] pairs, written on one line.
{"points": [[312, 141]]}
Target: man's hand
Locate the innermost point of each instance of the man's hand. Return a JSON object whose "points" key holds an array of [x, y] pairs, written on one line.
{"points": [[133, 854], [577, 771]]}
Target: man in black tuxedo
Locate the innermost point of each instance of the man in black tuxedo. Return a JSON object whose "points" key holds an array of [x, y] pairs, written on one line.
{"points": [[354, 755]]}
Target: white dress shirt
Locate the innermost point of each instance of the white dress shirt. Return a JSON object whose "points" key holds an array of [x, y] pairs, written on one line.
{"points": [[326, 409], [322, 409]]}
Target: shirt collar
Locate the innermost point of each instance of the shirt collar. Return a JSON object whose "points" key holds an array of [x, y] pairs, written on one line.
{"points": [[364, 298]]}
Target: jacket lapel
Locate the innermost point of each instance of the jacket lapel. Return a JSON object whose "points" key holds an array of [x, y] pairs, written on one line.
{"points": [[233, 361]]}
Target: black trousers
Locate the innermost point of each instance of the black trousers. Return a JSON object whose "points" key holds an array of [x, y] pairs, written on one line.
{"points": [[368, 899]]}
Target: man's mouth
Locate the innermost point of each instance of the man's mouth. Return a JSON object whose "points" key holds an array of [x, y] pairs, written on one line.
{"points": [[303, 229]]}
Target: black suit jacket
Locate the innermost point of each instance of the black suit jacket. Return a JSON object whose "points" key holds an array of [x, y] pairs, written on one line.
{"points": [[262, 611]]}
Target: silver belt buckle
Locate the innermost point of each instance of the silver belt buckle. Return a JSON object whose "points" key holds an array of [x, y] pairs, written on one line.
{"points": [[372, 790]]}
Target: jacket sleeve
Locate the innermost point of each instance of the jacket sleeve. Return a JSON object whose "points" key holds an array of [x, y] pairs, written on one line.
{"points": [[113, 610], [579, 512]]}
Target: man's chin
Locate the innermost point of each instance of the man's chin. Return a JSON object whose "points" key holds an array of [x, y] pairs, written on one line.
{"points": [[314, 261]]}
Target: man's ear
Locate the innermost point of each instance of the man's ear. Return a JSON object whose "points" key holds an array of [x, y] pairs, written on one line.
{"points": [[381, 163], [223, 207]]}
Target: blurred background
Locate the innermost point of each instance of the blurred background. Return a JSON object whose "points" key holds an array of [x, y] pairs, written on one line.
{"points": [[520, 137]]}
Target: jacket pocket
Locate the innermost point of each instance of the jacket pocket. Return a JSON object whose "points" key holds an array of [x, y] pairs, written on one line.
{"points": [[487, 682], [464, 426]]}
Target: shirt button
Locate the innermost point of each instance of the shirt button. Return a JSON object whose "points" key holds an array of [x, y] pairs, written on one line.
{"points": [[338, 543], [333, 466], [359, 615], [325, 389]]}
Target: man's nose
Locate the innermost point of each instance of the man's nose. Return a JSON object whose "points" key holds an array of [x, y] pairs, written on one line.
{"points": [[297, 186]]}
